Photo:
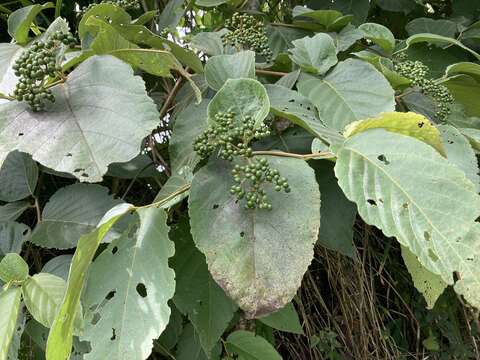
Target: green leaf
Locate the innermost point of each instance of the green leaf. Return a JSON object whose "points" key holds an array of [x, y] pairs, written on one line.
{"points": [[237, 241], [329, 19], [210, 3], [11, 211], [286, 319], [405, 6], [18, 176], [337, 212], [60, 341], [418, 102], [189, 347], [244, 97], [220, 68], [440, 27], [209, 42], [460, 153], [346, 38], [106, 12], [299, 110], [430, 285], [80, 134], [353, 90], [197, 295], [71, 212], [43, 294], [429, 210], [251, 347], [289, 80], [8, 80], [13, 268], [16, 343], [128, 289], [464, 89], [171, 14], [175, 189], [466, 68], [58, 266], [380, 35], [409, 124], [358, 8], [9, 310], [439, 41], [20, 20], [280, 38], [145, 18], [12, 236], [315, 54]]}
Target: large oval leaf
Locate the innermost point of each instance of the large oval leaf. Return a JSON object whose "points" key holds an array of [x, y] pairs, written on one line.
{"points": [[101, 114], [222, 67], [404, 187], [128, 289], [246, 250], [353, 90]]}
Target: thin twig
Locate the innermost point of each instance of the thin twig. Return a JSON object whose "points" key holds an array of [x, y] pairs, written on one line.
{"points": [[170, 97]]}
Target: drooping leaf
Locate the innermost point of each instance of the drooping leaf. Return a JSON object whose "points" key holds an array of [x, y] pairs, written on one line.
{"points": [[315, 54], [244, 97], [220, 68], [409, 124], [189, 347], [251, 347], [431, 210], [380, 35], [466, 68], [346, 38], [237, 241], [13, 268], [337, 212], [460, 153], [71, 212], [58, 266], [197, 295], [11, 211], [430, 285], [128, 289], [286, 319], [12, 236], [59, 344], [9, 308], [353, 90], [440, 27], [295, 107], [20, 20], [43, 294], [100, 116], [210, 3], [18, 176]]}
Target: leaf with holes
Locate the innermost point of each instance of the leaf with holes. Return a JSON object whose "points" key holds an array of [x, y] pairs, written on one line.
{"points": [[43, 294], [101, 115], [353, 90], [71, 212], [128, 289], [431, 211], [237, 242]]}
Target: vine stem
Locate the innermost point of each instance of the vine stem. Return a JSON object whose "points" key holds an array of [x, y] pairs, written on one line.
{"points": [[320, 155]]}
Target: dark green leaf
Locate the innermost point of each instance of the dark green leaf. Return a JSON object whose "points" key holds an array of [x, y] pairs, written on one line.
{"points": [[12, 236], [251, 347], [18, 176], [286, 319]]}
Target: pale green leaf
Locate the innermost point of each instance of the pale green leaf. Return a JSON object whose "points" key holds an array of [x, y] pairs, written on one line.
{"points": [[286, 319], [430, 210], [14, 350], [244, 97], [9, 309], [18, 176], [210, 3], [295, 107], [315, 54], [209, 42], [20, 20], [197, 295], [353, 90], [43, 294], [237, 241], [466, 68], [251, 347], [128, 289], [81, 134], [12, 236], [106, 12], [346, 38], [13, 268], [289, 80], [280, 38], [8, 80], [379, 35], [430, 285], [71, 212], [59, 344], [175, 189], [220, 68], [460, 153], [358, 8]]}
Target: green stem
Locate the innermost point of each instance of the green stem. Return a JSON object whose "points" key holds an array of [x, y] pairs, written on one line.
{"points": [[166, 199], [58, 8], [6, 97], [320, 155]]}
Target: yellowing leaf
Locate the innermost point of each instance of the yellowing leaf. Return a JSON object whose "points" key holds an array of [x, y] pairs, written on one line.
{"points": [[410, 124]]}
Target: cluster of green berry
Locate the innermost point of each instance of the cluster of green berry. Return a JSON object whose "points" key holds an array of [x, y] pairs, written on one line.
{"points": [[258, 172], [231, 141], [248, 32], [418, 73], [35, 66], [124, 4]]}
